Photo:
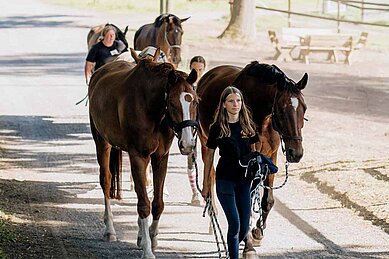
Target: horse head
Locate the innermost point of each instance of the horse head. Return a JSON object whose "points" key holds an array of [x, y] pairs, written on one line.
{"points": [[288, 114], [182, 104], [173, 36]]}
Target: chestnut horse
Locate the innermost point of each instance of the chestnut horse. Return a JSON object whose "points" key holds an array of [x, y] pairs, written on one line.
{"points": [[166, 33], [138, 109], [276, 103], [94, 35]]}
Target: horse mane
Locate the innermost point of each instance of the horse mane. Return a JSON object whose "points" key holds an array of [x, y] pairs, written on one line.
{"points": [[271, 74], [161, 19], [160, 68]]}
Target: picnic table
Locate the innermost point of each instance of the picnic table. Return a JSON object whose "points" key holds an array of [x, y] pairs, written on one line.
{"points": [[307, 41]]}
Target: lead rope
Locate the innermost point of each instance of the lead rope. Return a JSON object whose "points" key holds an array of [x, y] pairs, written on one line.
{"points": [[256, 194], [212, 215]]}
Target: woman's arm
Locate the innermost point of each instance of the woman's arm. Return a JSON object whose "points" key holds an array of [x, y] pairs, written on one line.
{"points": [[88, 71], [207, 182]]}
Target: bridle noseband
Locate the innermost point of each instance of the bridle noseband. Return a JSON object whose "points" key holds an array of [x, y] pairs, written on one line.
{"points": [[177, 127], [168, 43]]}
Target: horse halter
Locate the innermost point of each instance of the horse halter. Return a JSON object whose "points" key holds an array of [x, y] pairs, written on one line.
{"points": [[177, 127], [168, 43], [276, 124]]}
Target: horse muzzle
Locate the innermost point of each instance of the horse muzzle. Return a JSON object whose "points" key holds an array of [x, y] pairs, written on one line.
{"points": [[294, 155]]}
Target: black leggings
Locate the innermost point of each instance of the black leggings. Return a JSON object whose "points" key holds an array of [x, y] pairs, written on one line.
{"points": [[234, 197]]}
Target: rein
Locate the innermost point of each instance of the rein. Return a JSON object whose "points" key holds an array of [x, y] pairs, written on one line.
{"points": [[211, 213]]}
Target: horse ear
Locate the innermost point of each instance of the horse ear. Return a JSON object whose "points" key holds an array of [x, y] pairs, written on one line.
{"points": [[125, 30], [134, 55], [192, 77], [172, 78], [184, 19], [303, 82], [156, 55]]}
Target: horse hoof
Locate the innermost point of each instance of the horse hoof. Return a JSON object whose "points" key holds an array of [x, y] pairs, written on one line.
{"points": [[154, 243], [138, 241], [250, 255], [109, 237], [257, 236], [148, 256], [210, 229]]}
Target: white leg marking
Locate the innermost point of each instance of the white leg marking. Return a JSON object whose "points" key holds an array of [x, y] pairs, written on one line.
{"points": [[154, 231], [295, 102], [109, 233], [145, 243]]}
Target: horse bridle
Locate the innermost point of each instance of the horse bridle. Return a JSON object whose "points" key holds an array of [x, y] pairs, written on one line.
{"points": [[276, 126], [168, 43], [177, 127]]}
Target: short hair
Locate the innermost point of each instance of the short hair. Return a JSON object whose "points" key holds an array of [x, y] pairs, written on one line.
{"points": [[107, 28], [198, 59]]}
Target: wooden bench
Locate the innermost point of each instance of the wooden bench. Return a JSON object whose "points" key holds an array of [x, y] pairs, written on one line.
{"points": [[283, 50], [331, 44]]}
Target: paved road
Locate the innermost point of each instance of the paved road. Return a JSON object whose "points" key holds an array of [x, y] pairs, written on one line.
{"points": [[51, 155]]}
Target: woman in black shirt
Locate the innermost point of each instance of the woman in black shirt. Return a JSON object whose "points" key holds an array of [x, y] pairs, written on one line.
{"points": [[233, 132], [103, 52]]}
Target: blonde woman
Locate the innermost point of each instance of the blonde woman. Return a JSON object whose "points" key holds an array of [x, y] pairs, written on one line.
{"points": [[233, 132], [103, 52]]}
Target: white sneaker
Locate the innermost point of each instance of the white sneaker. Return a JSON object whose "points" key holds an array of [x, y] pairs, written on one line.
{"points": [[196, 200]]}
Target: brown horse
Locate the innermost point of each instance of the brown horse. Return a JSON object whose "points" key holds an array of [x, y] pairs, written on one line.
{"points": [[94, 35], [267, 91], [166, 33], [138, 109]]}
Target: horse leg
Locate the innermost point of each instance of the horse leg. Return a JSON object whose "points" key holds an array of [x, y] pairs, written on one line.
{"points": [[203, 140], [138, 171], [159, 164], [131, 183], [103, 149], [267, 203]]}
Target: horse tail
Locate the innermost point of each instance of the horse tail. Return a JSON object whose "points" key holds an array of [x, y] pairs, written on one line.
{"points": [[115, 167], [89, 37]]}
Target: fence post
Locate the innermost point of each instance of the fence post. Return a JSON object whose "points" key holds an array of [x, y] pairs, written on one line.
{"points": [[338, 17], [161, 6], [289, 22], [362, 10]]}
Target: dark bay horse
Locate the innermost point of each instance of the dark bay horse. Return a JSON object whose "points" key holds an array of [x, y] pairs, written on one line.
{"points": [[138, 109], [166, 33], [278, 109], [95, 36]]}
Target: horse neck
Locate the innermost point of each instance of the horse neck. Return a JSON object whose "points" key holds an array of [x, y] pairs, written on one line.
{"points": [[259, 97], [161, 40], [154, 90]]}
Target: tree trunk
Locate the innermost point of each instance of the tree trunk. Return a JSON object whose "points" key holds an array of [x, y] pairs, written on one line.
{"points": [[242, 22]]}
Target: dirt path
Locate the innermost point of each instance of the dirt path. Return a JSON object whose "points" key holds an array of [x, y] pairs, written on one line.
{"points": [[335, 204]]}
